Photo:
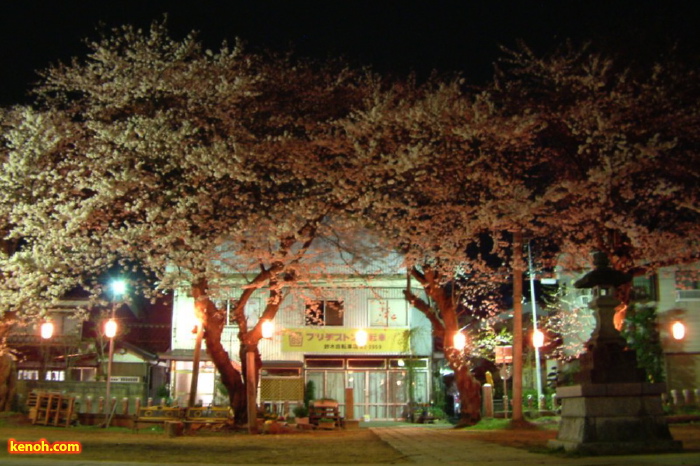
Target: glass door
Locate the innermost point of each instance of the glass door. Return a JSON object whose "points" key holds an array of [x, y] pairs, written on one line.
{"points": [[358, 381], [376, 394], [398, 394]]}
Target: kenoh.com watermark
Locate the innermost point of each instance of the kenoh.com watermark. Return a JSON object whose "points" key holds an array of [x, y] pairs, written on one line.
{"points": [[43, 447]]}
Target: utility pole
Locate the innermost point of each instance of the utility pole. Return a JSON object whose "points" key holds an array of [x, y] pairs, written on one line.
{"points": [[538, 370], [518, 267]]}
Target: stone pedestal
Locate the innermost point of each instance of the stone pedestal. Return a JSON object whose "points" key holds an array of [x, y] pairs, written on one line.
{"points": [[616, 418]]}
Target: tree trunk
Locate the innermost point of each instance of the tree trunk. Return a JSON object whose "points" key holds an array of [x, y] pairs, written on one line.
{"points": [[469, 388], [470, 397], [8, 377], [8, 367], [213, 322], [446, 326], [243, 354]]}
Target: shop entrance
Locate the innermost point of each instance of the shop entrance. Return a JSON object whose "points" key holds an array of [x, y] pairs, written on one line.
{"points": [[383, 387]]}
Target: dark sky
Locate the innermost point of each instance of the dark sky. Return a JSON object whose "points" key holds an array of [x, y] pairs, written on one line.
{"points": [[398, 36]]}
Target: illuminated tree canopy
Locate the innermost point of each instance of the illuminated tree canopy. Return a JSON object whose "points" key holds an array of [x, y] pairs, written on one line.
{"points": [[181, 160], [189, 163]]}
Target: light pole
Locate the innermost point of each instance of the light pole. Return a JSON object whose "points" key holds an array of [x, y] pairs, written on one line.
{"points": [[536, 333], [46, 334], [110, 330]]}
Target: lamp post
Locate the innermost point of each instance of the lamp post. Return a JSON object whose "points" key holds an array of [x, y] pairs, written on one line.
{"points": [[110, 330], [536, 333], [46, 334]]}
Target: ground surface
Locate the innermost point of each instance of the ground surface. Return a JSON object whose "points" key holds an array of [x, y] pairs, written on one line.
{"points": [[308, 447]]}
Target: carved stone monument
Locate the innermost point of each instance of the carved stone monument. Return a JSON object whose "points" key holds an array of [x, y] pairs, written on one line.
{"points": [[612, 409]]}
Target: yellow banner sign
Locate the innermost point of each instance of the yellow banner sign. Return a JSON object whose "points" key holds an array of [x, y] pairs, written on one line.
{"points": [[342, 340]]}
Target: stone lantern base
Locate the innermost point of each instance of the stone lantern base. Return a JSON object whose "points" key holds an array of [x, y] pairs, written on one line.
{"points": [[613, 418]]}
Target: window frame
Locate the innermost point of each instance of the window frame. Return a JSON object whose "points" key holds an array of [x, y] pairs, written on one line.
{"points": [[387, 321], [308, 322]]}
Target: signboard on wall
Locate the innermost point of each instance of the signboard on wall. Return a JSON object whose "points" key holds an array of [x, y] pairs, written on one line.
{"points": [[342, 340], [504, 354]]}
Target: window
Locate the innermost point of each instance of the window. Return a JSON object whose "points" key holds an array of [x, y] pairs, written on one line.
{"points": [[643, 289], [366, 363], [83, 374], [328, 313], [325, 363], [688, 285], [388, 313], [56, 376], [281, 372], [24, 374], [253, 311], [688, 279]]}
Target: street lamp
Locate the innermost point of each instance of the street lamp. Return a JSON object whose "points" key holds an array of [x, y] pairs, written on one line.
{"points": [[537, 338], [459, 341], [110, 328], [46, 330], [46, 334], [361, 338], [678, 330], [268, 328], [110, 331]]}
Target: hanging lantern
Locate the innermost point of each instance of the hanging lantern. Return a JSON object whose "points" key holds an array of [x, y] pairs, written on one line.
{"points": [[459, 341], [46, 330], [678, 330], [537, 338], [110, 328], [268, 328], [361, 338]]}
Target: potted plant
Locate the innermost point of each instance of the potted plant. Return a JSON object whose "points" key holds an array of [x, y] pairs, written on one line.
{"points": [[326, 423], [301, 414]]}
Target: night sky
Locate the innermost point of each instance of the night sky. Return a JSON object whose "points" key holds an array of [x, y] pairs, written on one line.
{"points": [[391, 36]]}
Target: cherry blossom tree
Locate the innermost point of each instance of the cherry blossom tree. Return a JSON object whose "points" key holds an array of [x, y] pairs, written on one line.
{"points": [[443, 167], [619, 144], [156, 152], [572, 151]]}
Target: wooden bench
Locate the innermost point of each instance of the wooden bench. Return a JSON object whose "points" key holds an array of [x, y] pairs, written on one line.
{"points": [[157, 415], [214, 417]]}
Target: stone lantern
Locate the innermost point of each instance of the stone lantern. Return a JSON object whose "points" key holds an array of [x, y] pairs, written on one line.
{"points": [[612, 409], [606, 359]]}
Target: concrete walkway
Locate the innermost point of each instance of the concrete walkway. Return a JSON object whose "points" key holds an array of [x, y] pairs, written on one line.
{"points": [[445, 445]]}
